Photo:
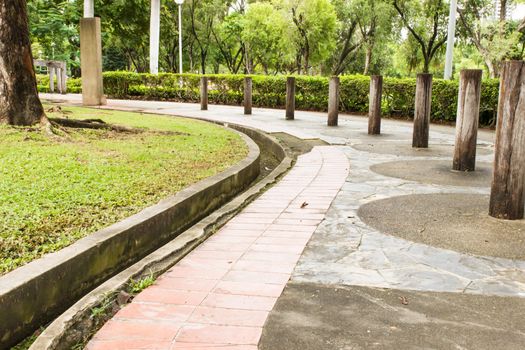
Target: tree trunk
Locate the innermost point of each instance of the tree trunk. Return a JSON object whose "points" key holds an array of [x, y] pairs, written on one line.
{"points": [[19, 102], [493, 73], [422, 110], [508, 180], [426, 65], [467, 119], [368, 59]]}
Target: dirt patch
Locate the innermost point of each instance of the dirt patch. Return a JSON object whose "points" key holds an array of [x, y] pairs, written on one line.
{"points": [[296, 145], [313, 317], [437, 172], [405, 149], [453, 221]]}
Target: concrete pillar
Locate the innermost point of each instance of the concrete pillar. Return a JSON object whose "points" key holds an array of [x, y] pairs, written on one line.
{"points": [[154, 37], [64, 79], [91, 62], [58, 72], [51, 79]]}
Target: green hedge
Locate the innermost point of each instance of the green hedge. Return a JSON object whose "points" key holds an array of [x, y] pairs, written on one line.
{"points": [[74, 85], [311, 92]]}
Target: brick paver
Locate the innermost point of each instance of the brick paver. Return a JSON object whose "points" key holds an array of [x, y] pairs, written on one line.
{"points": [[219, 295]]}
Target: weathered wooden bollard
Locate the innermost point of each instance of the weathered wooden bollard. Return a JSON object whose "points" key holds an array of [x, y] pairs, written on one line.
{"points": [[290, 98], [204, 93], [422, 110], [467, 120], [333, 101], [374, 107], [506, 195], [247, 95]]}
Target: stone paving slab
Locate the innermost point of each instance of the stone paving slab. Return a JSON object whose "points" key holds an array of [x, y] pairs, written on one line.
{"points": [[219, 295], [345, 250]]}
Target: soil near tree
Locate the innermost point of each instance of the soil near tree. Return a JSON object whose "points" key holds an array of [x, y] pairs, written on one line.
{"points": [[453, 221]]}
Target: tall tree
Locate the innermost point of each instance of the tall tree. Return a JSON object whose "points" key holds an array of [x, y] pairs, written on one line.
{"points": [[230, 47], [348, 38], [203, 16], [53, 25], [493, 38], [19, 102], [426, 20], [316, 24], [266, 36]]}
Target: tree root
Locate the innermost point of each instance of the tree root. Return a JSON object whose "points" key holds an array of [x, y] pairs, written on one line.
{"points": [[57, 126], [93, 124]]}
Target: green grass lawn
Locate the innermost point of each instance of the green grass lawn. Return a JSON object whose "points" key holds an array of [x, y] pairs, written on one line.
{"points": [[55, 191]]}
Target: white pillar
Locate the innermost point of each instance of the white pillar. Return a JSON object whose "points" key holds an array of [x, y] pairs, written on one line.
{"points": [[450, 39], [154, 37], [180, 38], [89, 8]]}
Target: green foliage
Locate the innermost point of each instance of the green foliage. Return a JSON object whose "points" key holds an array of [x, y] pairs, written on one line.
{"points": [[137, 286], [54, 192], [267, 36], [311, 92], [54, 30]]}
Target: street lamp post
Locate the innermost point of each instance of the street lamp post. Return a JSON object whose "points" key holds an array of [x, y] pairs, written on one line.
{"points": [[450, 39], [180, 2]]}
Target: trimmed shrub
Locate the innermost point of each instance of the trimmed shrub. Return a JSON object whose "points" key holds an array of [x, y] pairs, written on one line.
{"points": [[311, 92]]}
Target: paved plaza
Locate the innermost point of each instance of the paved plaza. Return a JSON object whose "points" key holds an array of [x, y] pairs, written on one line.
{"points": [[365, 243]]}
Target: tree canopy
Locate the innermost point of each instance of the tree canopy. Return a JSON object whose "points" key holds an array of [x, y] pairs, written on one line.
{"points": [[392, 37]]}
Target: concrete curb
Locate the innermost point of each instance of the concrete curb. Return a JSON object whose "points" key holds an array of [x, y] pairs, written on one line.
{"points": [[36, 293], [76, 325]]}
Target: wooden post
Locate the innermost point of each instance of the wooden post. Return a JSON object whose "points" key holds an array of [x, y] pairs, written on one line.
{"points": [[467, 120], [374, 108], [51, 79], [204, 93], [290, 98], [422, 110], [506, 196], [333, 101], [247, 95]]}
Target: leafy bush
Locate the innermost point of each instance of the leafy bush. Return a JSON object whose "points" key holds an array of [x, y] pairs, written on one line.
{"points": [[311, 92]]}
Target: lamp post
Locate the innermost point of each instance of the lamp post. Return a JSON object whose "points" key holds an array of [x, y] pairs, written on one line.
{"points": [[154, 37], [180, 2], [450, 39], [89, 8]]}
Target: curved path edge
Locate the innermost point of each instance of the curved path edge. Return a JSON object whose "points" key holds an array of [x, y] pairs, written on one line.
{"points": [[64, 332], [35, 293], [220, 294]]}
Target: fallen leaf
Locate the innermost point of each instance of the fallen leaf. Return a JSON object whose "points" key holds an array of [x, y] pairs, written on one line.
{"points": [[404, 300], [304, 205]]}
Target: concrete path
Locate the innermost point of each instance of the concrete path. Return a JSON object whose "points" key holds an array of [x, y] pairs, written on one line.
{"points": [[219, 296], [345, 255]]}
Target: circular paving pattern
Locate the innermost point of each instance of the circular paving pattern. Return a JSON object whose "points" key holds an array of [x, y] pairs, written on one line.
{"points": [[458, 222], [405, 149], [435, 172]]}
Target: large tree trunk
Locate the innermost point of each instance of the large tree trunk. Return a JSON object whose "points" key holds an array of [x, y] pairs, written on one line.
{"points": [[19, 102]]}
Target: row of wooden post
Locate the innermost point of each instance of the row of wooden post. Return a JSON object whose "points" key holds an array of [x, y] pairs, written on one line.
{"points": [[508, 183]]}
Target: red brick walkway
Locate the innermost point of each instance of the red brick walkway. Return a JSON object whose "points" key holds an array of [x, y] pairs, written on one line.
{"points": [[218, 296]]}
